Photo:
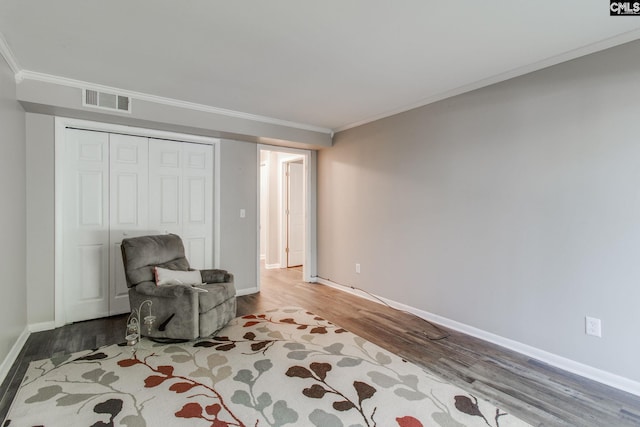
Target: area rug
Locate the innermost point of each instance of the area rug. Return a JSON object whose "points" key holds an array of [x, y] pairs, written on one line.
{"points": [[281, 367]]}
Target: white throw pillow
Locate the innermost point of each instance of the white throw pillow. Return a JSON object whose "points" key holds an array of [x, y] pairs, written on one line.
{"points": [[164, 276]]}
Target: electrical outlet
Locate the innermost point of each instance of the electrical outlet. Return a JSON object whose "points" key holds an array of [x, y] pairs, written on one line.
{"points": [[593, 326], [358, 268]]}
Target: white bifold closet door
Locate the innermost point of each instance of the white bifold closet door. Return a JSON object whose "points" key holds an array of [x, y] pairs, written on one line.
{"points": [[128, 208], [181, 196], [85, 223], [117, 186]]}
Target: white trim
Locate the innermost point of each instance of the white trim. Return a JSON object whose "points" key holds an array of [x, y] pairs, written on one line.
{"points": [[310, 194], [8, 56], [282, 233], [42, 326], [261, 257], [272, 266], [62, 123], [63, 81], [21, 75], [520, 71], [13, 354], [569, 365], [217, 163]]}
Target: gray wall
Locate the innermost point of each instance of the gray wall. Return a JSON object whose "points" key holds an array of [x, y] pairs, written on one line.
{"points": [[239, 190], [40, 218], [514, 209], [13, 308], [238, 236]]}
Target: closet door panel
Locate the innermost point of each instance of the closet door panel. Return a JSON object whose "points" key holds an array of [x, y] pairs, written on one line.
{"points": [[181, 196], [90, 272], [165, 186], [197, 225], [129, 210], [85, 224], [169, 201]]}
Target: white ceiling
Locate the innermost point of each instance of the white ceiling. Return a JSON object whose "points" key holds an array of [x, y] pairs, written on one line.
{"points": [[330, 63]]}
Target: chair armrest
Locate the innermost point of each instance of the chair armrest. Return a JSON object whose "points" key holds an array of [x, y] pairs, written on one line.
{"points": [[215, 276], [165, 291]]}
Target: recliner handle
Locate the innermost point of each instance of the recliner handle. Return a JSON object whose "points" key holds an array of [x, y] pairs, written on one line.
{"points": [[164, 324]]}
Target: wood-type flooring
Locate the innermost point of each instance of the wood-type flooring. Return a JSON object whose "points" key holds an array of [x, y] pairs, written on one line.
{"points": [[529, 389]]}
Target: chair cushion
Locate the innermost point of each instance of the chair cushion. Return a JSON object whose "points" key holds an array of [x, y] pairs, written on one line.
{"points": [[164, 276], [216, 294]]}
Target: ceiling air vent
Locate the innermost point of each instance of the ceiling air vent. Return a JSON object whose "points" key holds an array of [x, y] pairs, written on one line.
{"points": [[106, 101]]}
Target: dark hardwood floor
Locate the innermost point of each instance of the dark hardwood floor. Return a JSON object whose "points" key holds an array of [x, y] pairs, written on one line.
{"points": [[529, 389]]}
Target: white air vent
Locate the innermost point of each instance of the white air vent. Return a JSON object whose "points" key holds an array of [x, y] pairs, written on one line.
{"points": [[106, 101]]}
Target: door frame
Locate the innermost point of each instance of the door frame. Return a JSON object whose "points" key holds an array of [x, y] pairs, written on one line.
{"points": [[61, 124], [309, 164]]}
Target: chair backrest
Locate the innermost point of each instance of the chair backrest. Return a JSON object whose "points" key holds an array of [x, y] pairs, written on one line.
{"points": [[141, 254]]}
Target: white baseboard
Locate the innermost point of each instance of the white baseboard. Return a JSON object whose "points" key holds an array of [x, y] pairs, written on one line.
{"points": [[272, 266], [42, 326], [563, 363], [12, 356]]}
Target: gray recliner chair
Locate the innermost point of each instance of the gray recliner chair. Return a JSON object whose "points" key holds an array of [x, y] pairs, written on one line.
{"points": [[182, 311]]}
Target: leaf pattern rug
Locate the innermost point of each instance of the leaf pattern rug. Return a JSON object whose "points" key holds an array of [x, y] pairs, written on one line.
{"points": [[285, 367]]}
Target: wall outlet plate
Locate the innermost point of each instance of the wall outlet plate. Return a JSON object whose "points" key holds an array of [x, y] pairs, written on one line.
{"points": [[593, 326]]}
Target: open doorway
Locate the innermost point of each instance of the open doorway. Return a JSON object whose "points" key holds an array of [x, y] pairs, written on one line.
{"points": [[284, 210]]}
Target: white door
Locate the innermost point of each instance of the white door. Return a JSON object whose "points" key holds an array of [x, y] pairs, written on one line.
{"points": [[181, 196], [197, 202], [165, 187], [295, 213], [128, 205], [85, 223]]}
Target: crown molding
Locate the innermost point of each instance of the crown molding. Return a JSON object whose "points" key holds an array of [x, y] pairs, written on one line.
{"points": [[8, 56], [563, 57], [49, 78]]}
